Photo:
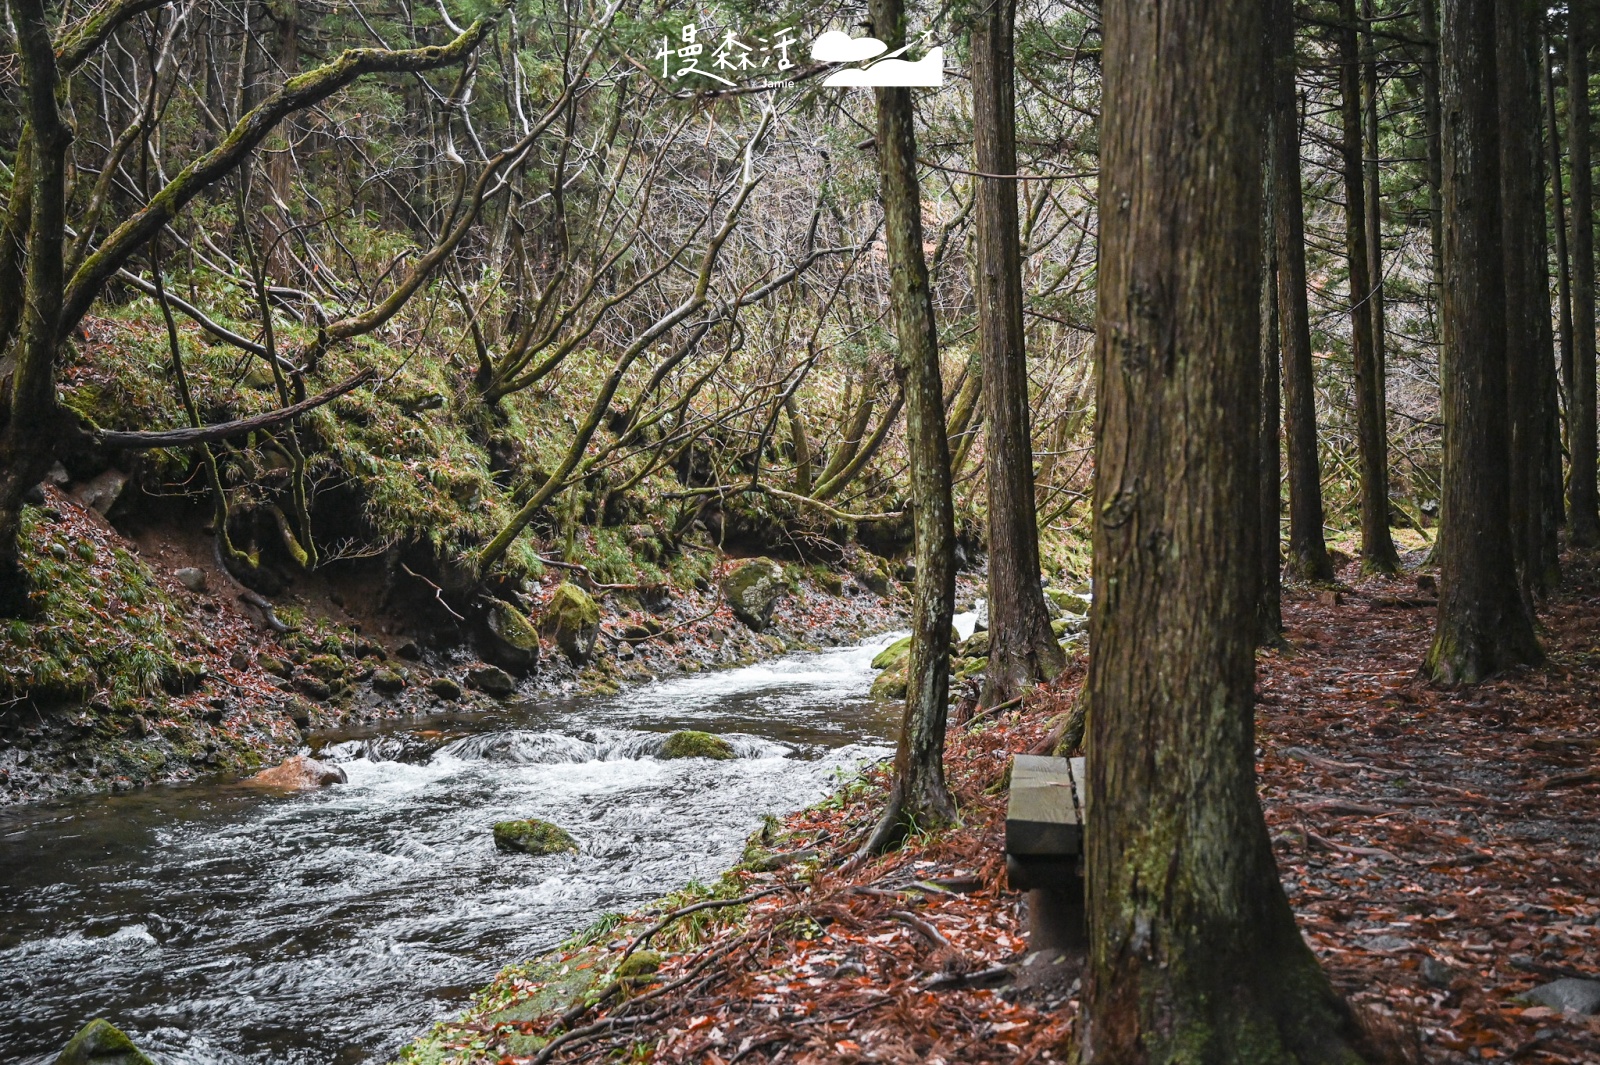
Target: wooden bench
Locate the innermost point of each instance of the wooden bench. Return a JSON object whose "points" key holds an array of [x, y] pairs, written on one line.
{"points": [[1044, 847]]}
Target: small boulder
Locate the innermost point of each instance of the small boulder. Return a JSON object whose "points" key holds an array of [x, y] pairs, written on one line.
{"points": [[974, 646], [872, 573], [314, 688], [532, 836], [299, 773], [388, 682], [191, 578], [893, 654], [1569, 995], [692, 744], [638, 968], [445, 688], [327, 667], [101, 1043], [491, 681], [1069, 602], [891, 683], [572, 621], [102, 492], [510, 640], [275, 665], [753, 589]]}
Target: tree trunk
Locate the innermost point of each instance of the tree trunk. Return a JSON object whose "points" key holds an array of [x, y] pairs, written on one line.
{"points": [[1372, 438], [920, 796], [1374, 202], [1582, 518], [1530, 353], [1194, 955], [1558, 210], [1022, 649], [1269, 492], [34, 421], [1308, 552], [1483, 625], [1428, 16]]}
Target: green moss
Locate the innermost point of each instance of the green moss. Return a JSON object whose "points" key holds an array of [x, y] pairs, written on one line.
{"points": [[893, 654], [692, 744], [101, 1043], [532, 836], [101, 624]]}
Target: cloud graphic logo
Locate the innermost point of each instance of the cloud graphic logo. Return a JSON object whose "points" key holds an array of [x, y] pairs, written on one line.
{"points": [[838, 47], [925, 73]]}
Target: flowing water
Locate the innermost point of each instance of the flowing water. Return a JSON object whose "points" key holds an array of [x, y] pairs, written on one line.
{"points": [[218, 925]]}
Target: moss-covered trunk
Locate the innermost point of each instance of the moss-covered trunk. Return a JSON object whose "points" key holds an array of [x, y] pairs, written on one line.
{"points": [[1194, 954], [920, 796]]}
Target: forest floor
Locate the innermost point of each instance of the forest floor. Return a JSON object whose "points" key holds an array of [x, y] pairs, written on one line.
{"points": [[1440, 848]]}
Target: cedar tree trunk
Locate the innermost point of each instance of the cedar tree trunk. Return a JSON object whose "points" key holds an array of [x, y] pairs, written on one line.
{"points": [[1308, 551], [1483, 624], [920, 796], [1582, 519], [1194, 955], [1022, 649], [1372, 438]]}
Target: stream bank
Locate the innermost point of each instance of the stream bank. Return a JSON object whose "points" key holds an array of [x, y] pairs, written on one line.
{"points": [[150, 665]]}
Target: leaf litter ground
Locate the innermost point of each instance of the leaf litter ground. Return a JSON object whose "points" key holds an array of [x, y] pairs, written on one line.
{"points": [[1440, 848]]}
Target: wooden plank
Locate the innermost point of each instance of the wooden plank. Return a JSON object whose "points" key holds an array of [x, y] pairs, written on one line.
{"points": [[1042, 817]]}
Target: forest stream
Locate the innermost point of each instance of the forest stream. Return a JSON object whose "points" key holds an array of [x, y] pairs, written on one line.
{"points": [[218, 924]]}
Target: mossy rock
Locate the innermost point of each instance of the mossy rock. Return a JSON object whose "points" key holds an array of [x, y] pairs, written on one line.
{"points": [[101, 1043], [492, 680], [971, 667], [891, 683], [892, 655], [510, 640], [388, 682], [691, 744], [532, 836], [326, 667], [275, 665], [753, 589], [445, 688], [830, 582], [1068, 626], [1070, 602], [572, 620], [639, 968], [872, 573], [900, 651], [974, 646]]}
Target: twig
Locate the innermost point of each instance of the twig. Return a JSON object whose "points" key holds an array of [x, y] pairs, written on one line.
{"points": [[928, 931], [995, 709], [588, 576], [438, 592], [670, 628]]}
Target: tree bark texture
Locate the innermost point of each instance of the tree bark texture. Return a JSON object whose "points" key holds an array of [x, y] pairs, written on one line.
{"points": [[1530, 347], [1483, 625], [1022, 649], [1582, 518], [920, 797], [1269, 499], [1194, 954], [34, 419], [1372, 436], [1558, 213], [1308, 551]]}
